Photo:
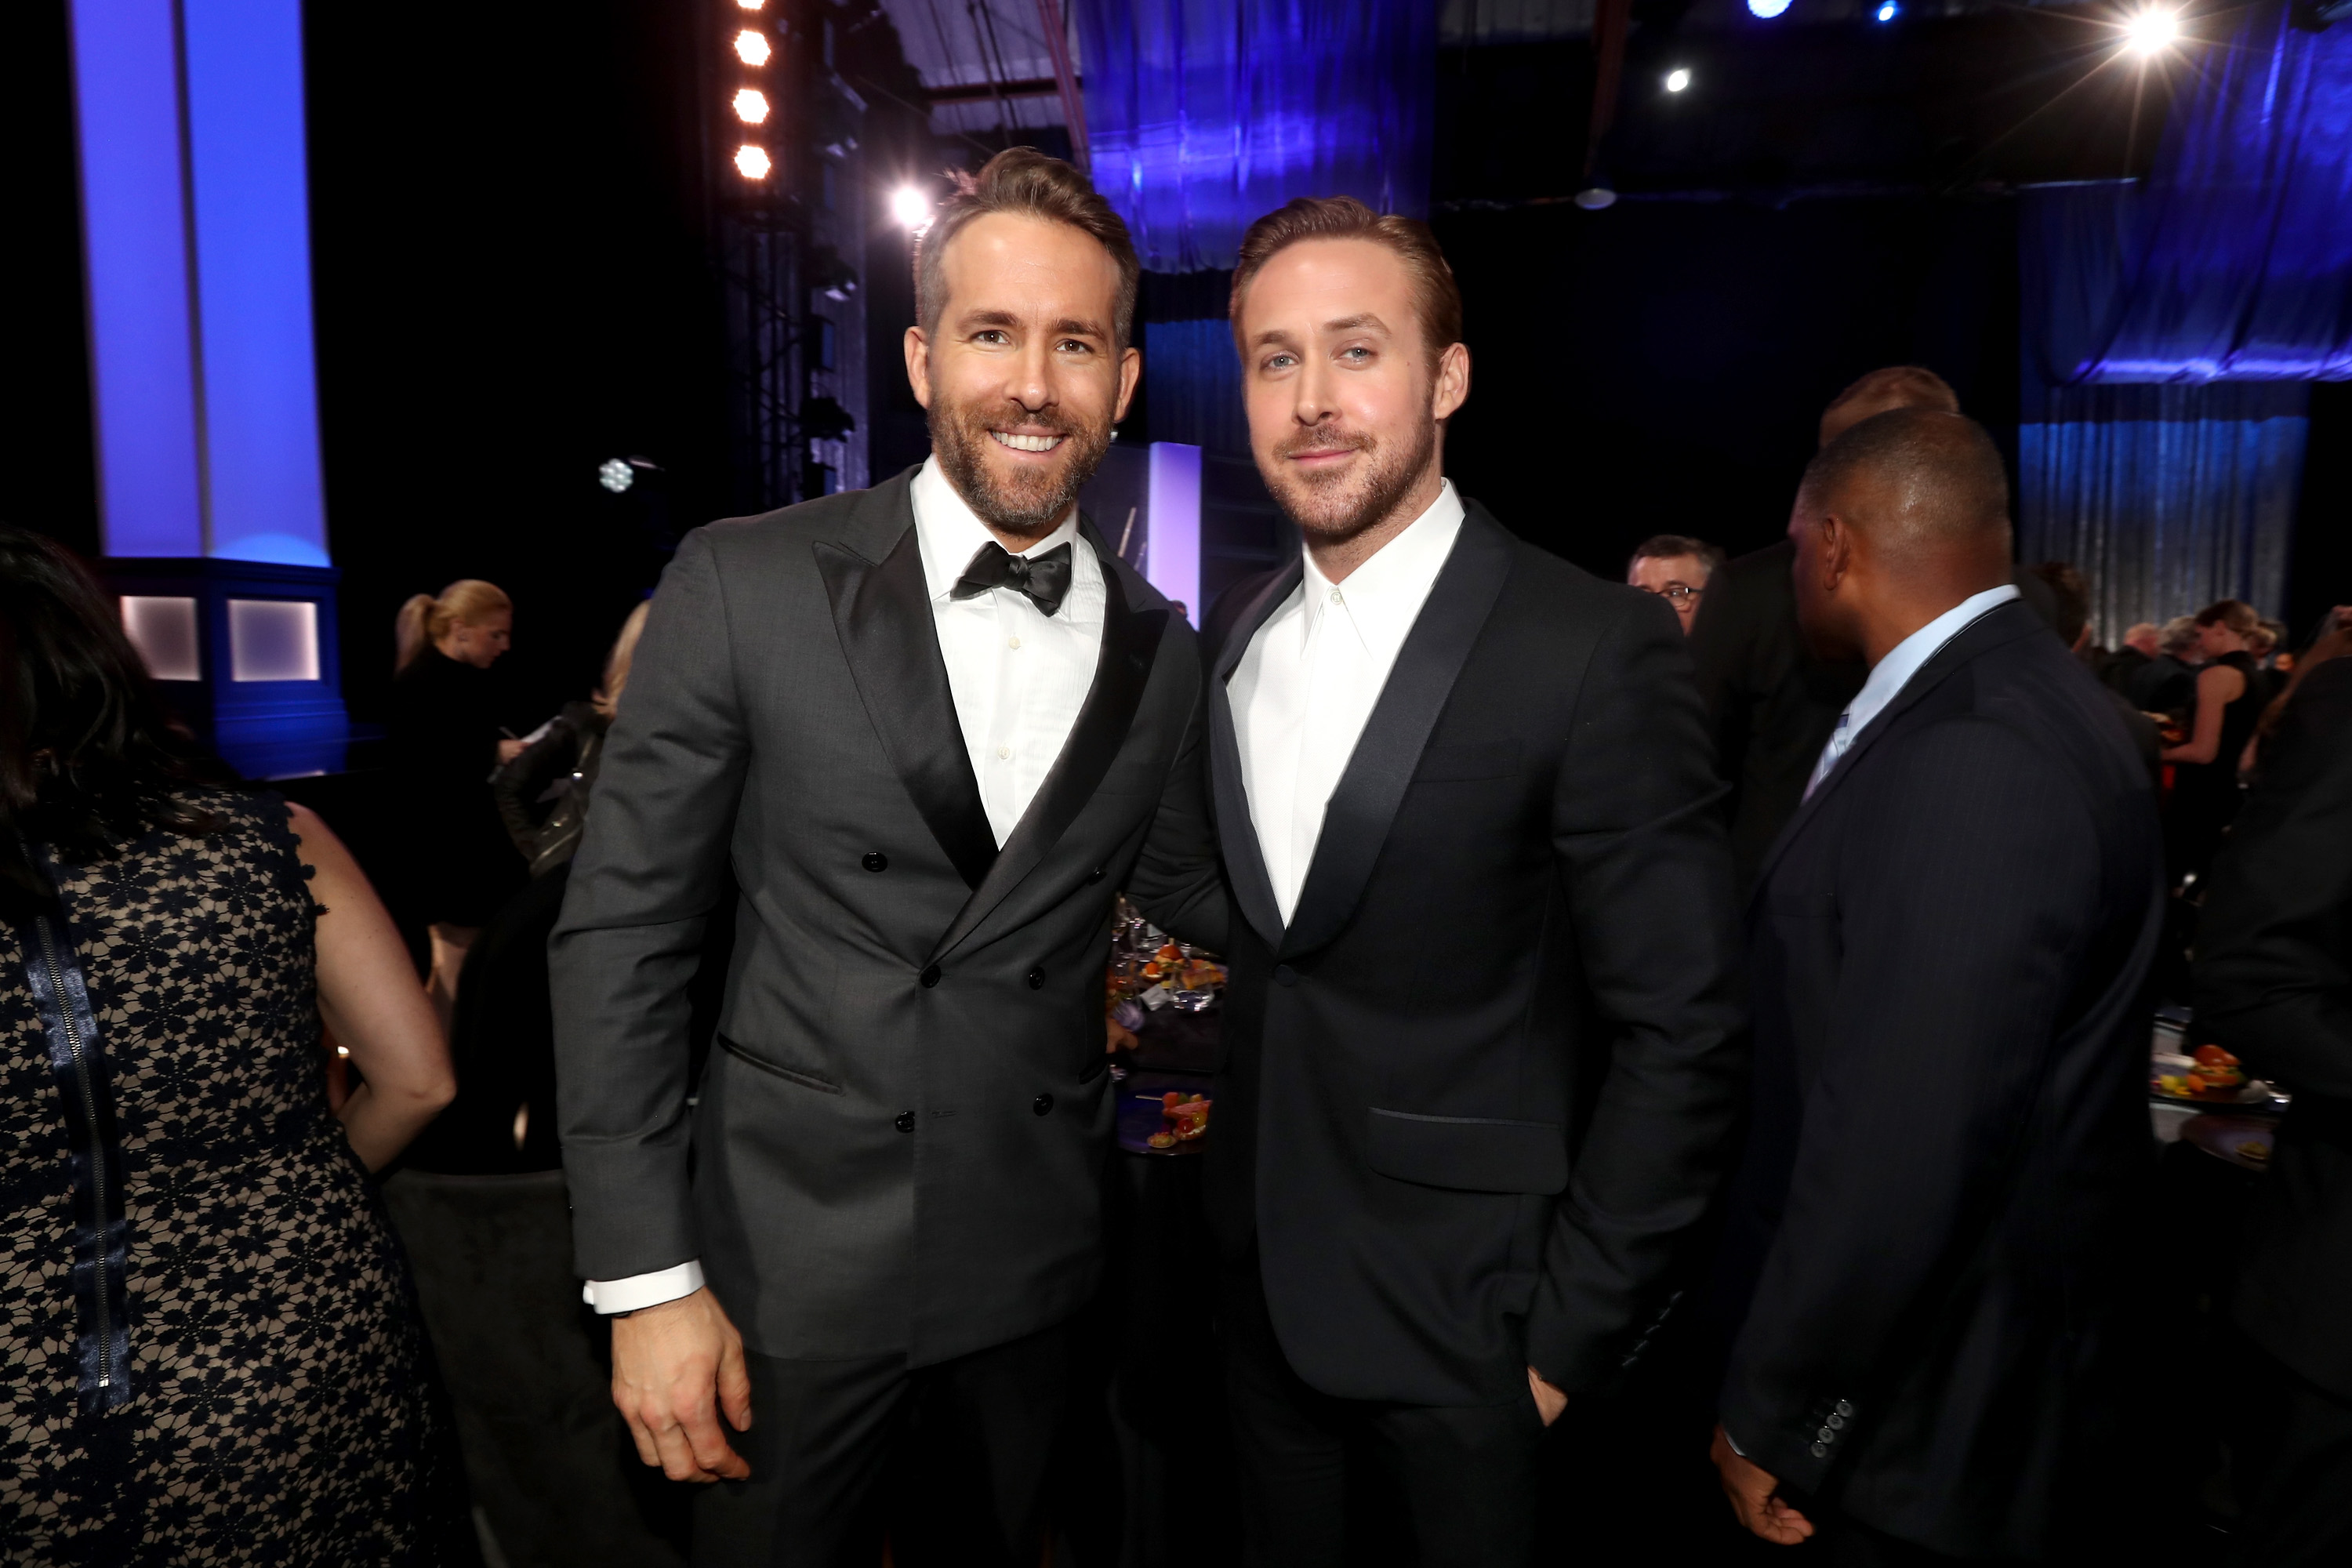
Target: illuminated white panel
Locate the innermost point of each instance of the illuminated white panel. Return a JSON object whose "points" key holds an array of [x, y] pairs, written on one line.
{"points": [[164, 632], [273, 639]]}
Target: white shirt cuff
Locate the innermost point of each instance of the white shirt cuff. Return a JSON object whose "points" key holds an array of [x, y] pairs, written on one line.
{"points": [[641, 1290]]}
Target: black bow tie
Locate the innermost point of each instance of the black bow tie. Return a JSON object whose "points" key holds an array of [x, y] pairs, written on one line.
{"points": [[1044, 578]]}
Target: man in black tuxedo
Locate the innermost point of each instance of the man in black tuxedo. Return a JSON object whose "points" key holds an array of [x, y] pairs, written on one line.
{"points": [[1481, 1025], [1949, 953], [931, 729], [2274, 983]]}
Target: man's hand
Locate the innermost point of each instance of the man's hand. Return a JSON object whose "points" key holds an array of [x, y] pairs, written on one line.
{"points": [[1549, 1401], [1755, 1497], [674, 1367]]}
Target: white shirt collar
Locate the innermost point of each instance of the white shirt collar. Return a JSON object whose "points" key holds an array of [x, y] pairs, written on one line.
{"points": [[950, 533], [1890, 675], [1385, 596]]}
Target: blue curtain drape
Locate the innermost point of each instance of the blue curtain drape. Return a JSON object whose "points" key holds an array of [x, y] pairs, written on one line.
{"points": [[1203, 115], [2167, 498], [2235, 262], [2171, 330]]}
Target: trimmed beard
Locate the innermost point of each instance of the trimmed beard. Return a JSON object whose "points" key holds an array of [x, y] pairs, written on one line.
{"points": [[960, 437], [1321, 508]]}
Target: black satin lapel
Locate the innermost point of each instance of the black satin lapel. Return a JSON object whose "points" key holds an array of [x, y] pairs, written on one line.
{"points": [[1990, 630], [1236, 830], [883, 614], [1357, 821], [1130, 645]]}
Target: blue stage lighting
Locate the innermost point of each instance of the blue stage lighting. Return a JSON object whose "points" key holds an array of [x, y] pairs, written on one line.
{"points": [[1767, 9], [1888, 12]]}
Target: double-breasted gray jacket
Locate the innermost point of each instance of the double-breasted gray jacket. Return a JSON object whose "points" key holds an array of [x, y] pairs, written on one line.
{"points": [[899, 1138]]}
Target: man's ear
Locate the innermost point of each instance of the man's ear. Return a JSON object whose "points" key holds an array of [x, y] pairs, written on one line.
{"points": [[1837, 549], [1130, 371], [1451, 388], [918, 364]]}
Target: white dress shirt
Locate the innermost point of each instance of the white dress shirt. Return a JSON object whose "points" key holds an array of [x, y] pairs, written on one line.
{"points": [[1309, 678], [1018, 678], [1890, 675]]}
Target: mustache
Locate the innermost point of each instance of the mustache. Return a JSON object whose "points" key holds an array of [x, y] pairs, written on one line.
{"points": [[1323, 438], [982, 420]]}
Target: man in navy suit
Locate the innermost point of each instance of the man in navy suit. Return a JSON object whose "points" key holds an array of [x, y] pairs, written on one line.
{"points": [[1949, 949]]}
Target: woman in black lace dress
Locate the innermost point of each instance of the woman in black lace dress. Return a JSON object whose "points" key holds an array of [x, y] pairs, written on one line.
{"points": [[209, 1348]]}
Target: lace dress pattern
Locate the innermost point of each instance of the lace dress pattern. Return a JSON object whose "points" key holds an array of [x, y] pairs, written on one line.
{"points": [[282, 1404]]}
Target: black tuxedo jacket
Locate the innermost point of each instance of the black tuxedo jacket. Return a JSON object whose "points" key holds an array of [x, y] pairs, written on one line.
{"points": [[1950, 948], [898, 1145], [2273, 982], [1480, 1086]]}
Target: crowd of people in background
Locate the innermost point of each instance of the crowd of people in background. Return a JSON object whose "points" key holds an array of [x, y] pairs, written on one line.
{"points": [[222, 1350]]}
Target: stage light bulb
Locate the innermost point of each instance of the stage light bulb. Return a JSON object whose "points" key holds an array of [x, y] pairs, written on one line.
{"points": [[911, 206], [1767, 9], [616, 475], [752, 5], [1677, 79], [751, 47], [751, 106], [2151, 32], [1888, 12], [750, 161]]}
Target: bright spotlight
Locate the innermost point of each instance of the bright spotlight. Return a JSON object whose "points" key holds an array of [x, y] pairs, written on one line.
{"points": [[1767, 9], [910, 207], [1677, 79], [751, 162], [752, 5], [1888, 12], [2151, 32], [751, 106], [751, 47]]}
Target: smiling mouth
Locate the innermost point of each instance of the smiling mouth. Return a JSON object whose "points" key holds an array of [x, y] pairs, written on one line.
{"points": [[1027, 443]]}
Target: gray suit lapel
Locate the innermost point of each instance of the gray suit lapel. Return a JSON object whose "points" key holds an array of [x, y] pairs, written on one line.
{"points": [[882, 612], [1130, 645]]}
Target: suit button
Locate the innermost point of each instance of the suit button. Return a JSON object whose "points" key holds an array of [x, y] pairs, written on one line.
{"points": [[1820, 1450], [931, 976], [1098, 873], [1835, 1423], [1285, 976], [1036, 980], [905, 1123], [875, 861], [1043, 1105], [1843, 1408], [1826, 1435]]}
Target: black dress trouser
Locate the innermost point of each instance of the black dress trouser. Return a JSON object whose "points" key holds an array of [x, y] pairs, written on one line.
{"points": [[826, 1434], [1440, 1486], [2292, 1458]]}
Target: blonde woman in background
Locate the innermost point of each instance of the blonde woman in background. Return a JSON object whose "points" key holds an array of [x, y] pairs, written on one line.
{"points": [[445, 740], [542, 793]]}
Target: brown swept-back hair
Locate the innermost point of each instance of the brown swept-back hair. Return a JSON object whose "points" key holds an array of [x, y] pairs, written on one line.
{"points": [[1435, 293], [1028, 183]]}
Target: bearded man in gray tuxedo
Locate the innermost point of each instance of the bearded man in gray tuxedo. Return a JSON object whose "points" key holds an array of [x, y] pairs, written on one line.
{"points": [[932, 728]]}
